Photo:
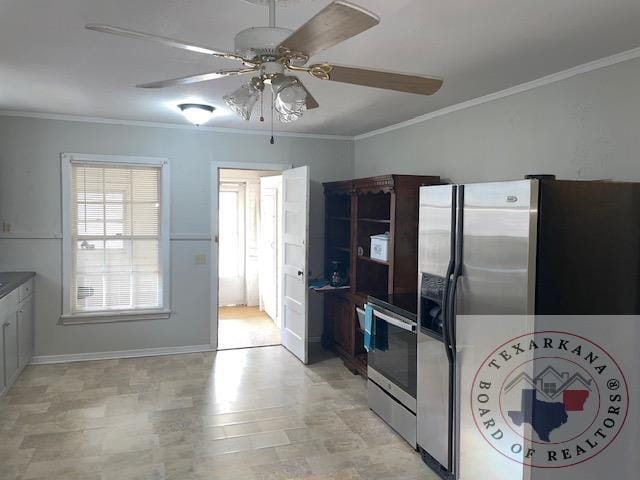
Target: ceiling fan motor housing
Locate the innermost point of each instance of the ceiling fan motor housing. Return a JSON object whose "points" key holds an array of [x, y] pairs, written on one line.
{"points": [[260, 40]]}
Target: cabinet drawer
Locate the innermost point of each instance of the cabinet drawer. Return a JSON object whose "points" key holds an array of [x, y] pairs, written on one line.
{"points": [[25, 290]]}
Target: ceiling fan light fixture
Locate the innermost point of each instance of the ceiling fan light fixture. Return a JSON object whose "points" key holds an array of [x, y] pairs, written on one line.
{"points": [[196, 113], [289, 98], [268, 52], [288, 117], [242, 100]]}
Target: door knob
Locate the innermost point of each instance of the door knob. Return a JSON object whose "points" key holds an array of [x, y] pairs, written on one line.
{"points": [[300, 273]]}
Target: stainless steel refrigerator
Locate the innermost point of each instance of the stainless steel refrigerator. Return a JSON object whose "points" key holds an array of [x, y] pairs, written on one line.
{"points": [[537, 246]]}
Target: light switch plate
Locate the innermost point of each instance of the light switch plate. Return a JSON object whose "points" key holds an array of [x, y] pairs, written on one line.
{"points": [[200, 259]]}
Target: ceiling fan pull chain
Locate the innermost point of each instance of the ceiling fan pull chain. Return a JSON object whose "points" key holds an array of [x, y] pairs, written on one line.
{"points": [[262, 105], [272, 140]]}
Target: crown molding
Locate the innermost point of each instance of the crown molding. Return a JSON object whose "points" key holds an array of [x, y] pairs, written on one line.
{"points": [[177, 126], [540, 82]]}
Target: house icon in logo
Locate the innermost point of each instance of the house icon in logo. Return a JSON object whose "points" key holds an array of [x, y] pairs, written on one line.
{"points": [[550, 384], [547, 399]]}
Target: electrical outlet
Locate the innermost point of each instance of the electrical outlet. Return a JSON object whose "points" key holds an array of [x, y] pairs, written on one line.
{"points": [[200, 259]]}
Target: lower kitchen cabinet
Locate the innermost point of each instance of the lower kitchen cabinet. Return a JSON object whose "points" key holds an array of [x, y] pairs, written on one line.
{"points": [[10, 341], [25, 332], [338, 308], [3, 384], [341, 329], [16, 333]]}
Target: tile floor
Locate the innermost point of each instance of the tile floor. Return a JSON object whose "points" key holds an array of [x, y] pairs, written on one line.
{"points": [[241, 327], [250, 414]]}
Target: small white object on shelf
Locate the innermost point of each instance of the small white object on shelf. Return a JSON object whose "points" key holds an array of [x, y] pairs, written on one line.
{"points": [[380, 247]]}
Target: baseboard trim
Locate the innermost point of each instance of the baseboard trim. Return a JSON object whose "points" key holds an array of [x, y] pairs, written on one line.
{"points": [[142, 352]]}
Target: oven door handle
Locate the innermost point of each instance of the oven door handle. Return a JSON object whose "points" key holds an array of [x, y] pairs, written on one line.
{"points": [[411, 327]]}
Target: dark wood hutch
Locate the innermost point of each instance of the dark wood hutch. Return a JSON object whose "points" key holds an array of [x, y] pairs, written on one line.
{"points": [[355, 210]]}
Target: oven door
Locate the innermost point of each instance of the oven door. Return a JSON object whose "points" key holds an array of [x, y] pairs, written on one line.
{"points": [[393, 366]]}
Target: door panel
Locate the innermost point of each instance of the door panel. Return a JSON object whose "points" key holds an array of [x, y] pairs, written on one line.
{"points": [[10, 335], [434, 257], [25, 332], [338, 311], [434, 229], [499, 242], [295, 192], [433, 399], [269, 239]]}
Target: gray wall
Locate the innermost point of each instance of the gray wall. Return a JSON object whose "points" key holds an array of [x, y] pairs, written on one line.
{"points": [[587, 126], [30, 200]]}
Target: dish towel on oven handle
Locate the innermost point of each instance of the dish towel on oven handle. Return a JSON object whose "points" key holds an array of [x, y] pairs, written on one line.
{"points": [[369, 329]]}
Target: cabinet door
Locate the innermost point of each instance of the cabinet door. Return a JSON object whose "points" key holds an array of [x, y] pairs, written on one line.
{"points": [[3, 381], [25, 331], [340, 312], [10, 340]]}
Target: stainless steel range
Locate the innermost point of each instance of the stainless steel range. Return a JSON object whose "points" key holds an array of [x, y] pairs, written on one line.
{"points": [[392, 365]]}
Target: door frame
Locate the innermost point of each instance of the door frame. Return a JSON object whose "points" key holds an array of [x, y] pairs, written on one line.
{"points": [[213, 255]]}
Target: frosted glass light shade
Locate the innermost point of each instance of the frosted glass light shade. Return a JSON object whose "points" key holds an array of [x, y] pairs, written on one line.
{"points": [[242, 100], [196, 113], [290, 98]]}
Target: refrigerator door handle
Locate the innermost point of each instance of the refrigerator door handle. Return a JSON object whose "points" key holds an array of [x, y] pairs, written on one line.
{"points": [[457, 272], [446, 331], [450, 337]]}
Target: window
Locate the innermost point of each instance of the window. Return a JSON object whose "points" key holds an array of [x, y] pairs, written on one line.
{"points": [[116, 237], [549, 388]]}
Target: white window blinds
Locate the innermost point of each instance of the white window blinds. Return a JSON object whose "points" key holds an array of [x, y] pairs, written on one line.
{"points": [[116, 238]]}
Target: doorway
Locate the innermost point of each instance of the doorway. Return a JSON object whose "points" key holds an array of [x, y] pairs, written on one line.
{"points": [[249, 258]]}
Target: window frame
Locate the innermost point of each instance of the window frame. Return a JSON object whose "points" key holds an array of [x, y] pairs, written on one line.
{"points": [[67, 161]]}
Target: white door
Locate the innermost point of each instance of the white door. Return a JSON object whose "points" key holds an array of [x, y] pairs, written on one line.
{"points": [[295, 220], [269, 275], [231, 264]]}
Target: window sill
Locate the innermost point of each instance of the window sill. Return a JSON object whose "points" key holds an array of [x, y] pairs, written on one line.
{"points": [[111, 317]]}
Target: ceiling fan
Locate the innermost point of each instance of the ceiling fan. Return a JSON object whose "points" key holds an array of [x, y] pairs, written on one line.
{"points": [[269, 52]]}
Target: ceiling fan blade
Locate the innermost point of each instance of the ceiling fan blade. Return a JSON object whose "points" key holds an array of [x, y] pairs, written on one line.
{"points": [[311, 102], [171, 42], [201, 77], [400, 82], [338, 21]]}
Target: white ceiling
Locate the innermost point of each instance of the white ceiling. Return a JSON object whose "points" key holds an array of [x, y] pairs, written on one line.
{"points": [[50, 63]]}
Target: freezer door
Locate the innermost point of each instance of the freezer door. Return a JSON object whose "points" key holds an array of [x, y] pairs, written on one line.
{"points": [[435, 252], [434, 229], [498, 249], [434, 259], [433, 399]]}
